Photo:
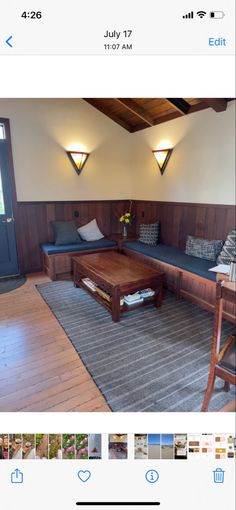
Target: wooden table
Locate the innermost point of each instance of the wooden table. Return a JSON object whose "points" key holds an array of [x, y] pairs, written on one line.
{"points": [[120, 240], [117, 275], [221, 277]]}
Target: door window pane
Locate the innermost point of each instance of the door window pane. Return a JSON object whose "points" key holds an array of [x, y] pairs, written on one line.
{"points": [[2, 206], [2, 132]]}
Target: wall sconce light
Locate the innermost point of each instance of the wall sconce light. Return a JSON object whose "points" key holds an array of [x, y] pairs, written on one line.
{"points": [[162, 156], [78, 159]]}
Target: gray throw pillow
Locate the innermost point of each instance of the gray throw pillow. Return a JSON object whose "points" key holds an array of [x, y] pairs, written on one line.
{"points": [[149, 233], [65, 232], [228, 252], [203, 248]]}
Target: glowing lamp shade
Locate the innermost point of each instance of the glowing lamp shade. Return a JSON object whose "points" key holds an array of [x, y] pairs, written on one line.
{"points": [[78, 159], [162, 156]]}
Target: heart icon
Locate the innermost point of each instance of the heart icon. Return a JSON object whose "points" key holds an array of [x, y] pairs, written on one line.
{"points": [[84, 475]]}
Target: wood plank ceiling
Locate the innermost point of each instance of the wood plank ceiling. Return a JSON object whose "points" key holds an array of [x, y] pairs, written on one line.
{"points": [[136, 114]]}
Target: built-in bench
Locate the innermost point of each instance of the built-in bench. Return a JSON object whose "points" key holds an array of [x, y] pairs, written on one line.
{"points": [[189, 277], [57, 260], [175, 257]]}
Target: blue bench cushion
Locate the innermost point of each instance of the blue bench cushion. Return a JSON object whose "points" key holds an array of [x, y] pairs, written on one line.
{"points": [[175, 257], [52, 249]]}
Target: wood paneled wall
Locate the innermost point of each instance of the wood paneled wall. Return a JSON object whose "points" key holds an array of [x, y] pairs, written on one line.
{"points": [[177, 220], [33, 222]]}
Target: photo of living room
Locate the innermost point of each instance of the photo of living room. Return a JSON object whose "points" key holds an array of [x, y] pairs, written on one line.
{"points": [[118, 446], [117, 228]]}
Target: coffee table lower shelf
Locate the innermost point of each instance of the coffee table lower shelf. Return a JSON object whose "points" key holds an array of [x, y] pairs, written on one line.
{"points": [[156, 300]]}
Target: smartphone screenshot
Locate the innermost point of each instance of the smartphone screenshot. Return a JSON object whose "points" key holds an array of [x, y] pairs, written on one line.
{"points": [[117, 255]]}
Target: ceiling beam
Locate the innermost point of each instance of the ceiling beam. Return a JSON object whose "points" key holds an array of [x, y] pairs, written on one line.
{"points": [[218, 104], [179, 104], [160, 120], [136, 109], [111, 115], [197, 107]]}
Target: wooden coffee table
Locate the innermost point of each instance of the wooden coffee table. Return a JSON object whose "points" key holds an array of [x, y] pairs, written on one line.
{"points": [[115, 276]]}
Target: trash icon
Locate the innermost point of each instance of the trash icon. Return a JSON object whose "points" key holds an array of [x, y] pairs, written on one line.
{"points": [[219, 475]]}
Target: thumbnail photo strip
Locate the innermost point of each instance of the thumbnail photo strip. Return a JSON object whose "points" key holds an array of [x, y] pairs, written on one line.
{"points": [[91, 447]]}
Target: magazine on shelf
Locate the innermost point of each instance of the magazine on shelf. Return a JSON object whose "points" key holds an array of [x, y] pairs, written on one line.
{"points": [[131, 298], [133, 302], [221, 268], [146, 293], [89, 283], [103, 294]]}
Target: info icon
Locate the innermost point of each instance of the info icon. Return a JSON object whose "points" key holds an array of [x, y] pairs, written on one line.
{"points": [[152, 476]]}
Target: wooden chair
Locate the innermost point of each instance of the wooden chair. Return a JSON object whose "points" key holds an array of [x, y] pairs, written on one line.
{"points": [[223, 362]]}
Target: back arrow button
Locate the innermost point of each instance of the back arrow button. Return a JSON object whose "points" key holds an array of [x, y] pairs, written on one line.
{"points": [[8, 41]]}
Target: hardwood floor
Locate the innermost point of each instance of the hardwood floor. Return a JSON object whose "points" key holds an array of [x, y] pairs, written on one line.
{"points": [[39, 368]]}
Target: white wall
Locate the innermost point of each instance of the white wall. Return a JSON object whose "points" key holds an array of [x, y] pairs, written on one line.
{"points": [[42, 129], [121, 165], [202, 166]]}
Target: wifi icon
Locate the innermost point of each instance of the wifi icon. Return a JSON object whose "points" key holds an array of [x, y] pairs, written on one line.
{"points": [[201, 14]]}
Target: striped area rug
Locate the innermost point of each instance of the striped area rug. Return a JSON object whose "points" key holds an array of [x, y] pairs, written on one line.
{"points": [[153, 360]]}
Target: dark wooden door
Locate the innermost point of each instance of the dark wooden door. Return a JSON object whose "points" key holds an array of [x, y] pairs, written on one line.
{"points": [[8, 252]]}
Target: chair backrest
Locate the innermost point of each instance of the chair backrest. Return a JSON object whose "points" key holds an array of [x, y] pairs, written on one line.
{"points": [[226, 291]]}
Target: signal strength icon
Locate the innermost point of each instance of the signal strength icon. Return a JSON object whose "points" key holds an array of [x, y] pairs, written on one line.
{"points": [[189, 15], [201, 14]]}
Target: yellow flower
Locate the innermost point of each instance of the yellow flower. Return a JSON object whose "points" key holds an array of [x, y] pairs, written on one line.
{"points": [[126, 220], [128, 214], [122, 218]]}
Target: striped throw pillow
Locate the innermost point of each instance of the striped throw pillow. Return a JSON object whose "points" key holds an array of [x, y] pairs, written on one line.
{"points": [[203, 248], [149, 233], [228, 252]]}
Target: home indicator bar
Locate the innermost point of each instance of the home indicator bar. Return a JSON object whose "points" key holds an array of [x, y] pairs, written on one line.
{"points": [[107, 503]]}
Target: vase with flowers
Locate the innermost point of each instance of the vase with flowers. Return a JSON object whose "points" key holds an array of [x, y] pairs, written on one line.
{"points": [[126, 219]]}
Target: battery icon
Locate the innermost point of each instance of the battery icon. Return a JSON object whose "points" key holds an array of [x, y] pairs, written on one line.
{"points": [[217, 14]]}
